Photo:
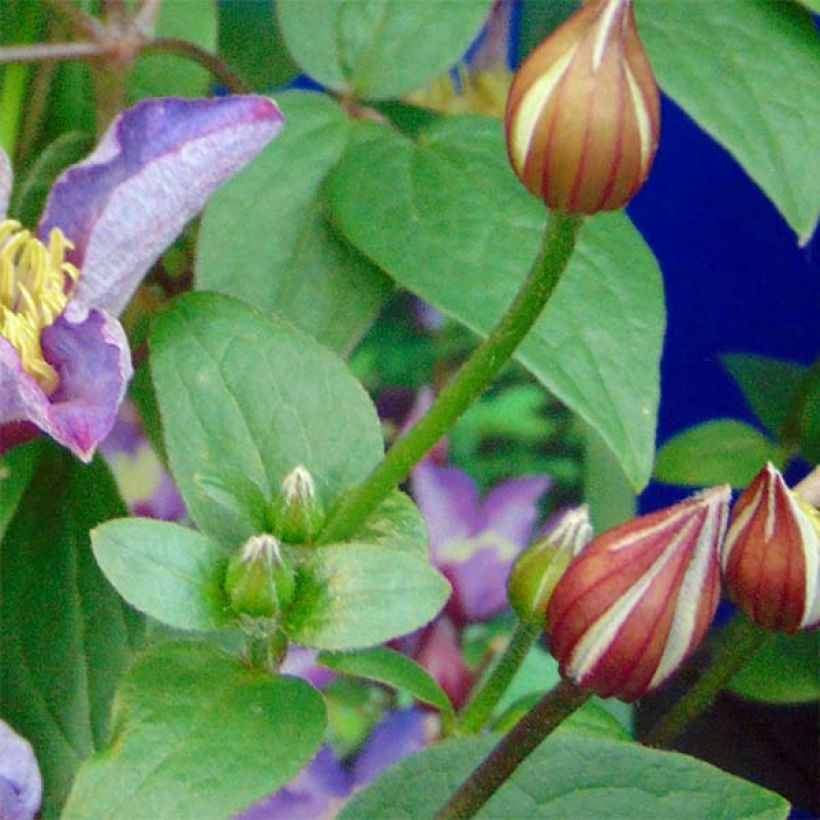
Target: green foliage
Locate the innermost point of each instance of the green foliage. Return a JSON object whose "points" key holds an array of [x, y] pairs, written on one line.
{"points": [[166, 571], [265, 237], [378, 49], [569, 775], [198, 736], [393, 669], [353, 595], [16, 470], [716, 452], [785, 670], [452, 198], [157, 75], [241, 394], [745, 72], [65, 636]]}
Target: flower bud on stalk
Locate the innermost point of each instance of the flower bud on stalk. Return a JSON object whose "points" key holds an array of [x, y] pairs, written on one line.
{"points": [[297, 514], [583, 114], [771, 556], [639, 599], [539, 568], [259, 582]]}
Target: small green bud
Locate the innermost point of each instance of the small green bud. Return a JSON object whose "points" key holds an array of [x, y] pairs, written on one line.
{"points": [[297, 513], [539, 568], [259, 582]]}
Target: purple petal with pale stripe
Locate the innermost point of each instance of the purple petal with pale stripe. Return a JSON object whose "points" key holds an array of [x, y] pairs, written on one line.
{"points": [[511, 508], [21, 786], [153, 171], [89, 351]]}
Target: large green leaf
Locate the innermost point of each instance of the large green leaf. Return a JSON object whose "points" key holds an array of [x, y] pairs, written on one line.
{"points": [[379, 48], [785, 670], [65, 635], [570, 775], [158, 75], [722, 451], [396, 524], [171, 573], [354, 595], [243, 395], [199, 737], [746, 71], [16, 470], [392, 668], [265, 238], [457, 228]]}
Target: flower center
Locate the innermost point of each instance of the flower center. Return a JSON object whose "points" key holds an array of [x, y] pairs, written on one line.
{"points": [[36, 284]]}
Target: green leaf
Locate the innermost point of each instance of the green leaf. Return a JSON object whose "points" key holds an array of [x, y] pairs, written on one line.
{"points": [[169, 572], [723, 451], [30, 196], [251, 43], [396, 524], [269, 223], [475, 232], [785, 670], [160, 75], [392, 668], [770, 386], [16, 470], [65, 635], [569, 775], [199, 737], [353, 595], [241, 394], [746, 72], [381, 48]]}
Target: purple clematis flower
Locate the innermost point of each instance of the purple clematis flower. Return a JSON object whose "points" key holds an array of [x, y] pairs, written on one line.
{"points": [[64, 358], [21, 786], [474, 541]]}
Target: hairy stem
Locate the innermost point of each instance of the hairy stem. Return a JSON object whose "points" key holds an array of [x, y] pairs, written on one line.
{"points": [[474, 377], [513, 749], [480, 708], [736, 645]]}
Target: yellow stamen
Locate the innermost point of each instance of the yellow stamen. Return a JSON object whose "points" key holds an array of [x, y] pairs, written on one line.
{"points": [[36, 284]]}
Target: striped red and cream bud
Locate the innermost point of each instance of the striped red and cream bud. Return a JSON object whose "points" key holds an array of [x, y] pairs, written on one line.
{"points": [[583, 114], [771, 556], [639, 599]]}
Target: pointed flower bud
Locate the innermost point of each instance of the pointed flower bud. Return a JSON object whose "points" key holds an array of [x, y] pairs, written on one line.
{"points": [[771, 556], [540, 567], [639, 599], [259, 582], [297, 512], [583, 115]]}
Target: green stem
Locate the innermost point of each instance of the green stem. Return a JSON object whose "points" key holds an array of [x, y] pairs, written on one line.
{"points": [[481, 706], [736, 645], [523, 739], [474, 377]]}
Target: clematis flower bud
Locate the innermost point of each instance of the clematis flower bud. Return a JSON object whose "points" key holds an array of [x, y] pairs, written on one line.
{"points": [[771, 556], [540, 567], [259, 582], [639, 599], [297, 513], [583, 114]]}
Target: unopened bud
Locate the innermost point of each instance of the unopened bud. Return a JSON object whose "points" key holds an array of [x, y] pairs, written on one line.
{"points": [[583, 115], [259, 582], [297, 513], [639, 599], [771, 556], [539, 568]]}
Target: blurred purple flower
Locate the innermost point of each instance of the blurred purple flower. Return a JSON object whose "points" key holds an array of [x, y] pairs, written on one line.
{"points": [[474, 541], [320, 790], [64, 358], [301, 662], [21, 786]]}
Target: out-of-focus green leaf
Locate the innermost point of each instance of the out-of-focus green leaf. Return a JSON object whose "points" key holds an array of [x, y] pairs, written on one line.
{"points": [[746, 71], [65, 635], [382, 48]]}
